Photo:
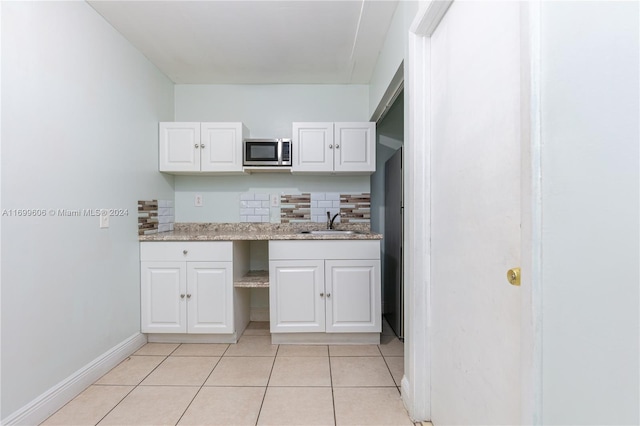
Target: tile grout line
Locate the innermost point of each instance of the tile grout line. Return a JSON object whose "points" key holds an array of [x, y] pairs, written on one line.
{"points": [[266, 388], [202, 385], [118, 403], [333, 396], [173, 354], [389, 369], [134, 386]]}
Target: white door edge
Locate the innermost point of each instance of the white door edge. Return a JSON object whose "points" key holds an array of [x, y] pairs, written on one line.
{"points": [[416, 383], [531, 217]]}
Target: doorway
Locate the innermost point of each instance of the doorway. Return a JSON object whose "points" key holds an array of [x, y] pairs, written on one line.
{"points": [[387, 210]]}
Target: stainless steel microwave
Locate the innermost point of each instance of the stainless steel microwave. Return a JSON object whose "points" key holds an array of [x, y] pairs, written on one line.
{"points": [[267, 152]]}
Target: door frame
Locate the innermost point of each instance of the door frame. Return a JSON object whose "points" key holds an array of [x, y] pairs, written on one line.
{"points": [[416, 382]]}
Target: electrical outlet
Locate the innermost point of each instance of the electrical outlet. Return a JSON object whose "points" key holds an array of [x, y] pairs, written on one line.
{"points": [[198, 200], [104, 219], [275, 200]]}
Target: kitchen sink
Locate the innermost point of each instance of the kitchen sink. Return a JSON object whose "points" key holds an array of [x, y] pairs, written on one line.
{"points": [[329, 232]]}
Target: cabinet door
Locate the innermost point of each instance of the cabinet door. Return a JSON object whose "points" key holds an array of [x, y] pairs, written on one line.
{"points": [[221, 147], [209, 297], [312, 147], [163, 308], [353, 296], [296, 296], [179, 146], [355, 147]]}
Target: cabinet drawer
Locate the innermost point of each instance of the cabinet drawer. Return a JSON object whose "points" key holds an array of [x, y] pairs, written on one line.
{"points": [[190, 251], [324, 249]]}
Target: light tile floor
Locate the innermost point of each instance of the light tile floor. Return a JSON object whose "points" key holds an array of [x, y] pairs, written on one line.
{"points": [[250, 383]]}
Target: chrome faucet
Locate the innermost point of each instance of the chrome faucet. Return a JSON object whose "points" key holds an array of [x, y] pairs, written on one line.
{"points": [[331, 220]]}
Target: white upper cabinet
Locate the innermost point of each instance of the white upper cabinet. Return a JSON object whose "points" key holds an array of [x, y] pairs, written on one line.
{"points": [[179, 147], [312, 147], [355, 147], [221, 146], [201, 147], [334, 147]]}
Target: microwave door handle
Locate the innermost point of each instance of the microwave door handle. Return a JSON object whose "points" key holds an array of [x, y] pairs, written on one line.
{"points": [[279, 151]]}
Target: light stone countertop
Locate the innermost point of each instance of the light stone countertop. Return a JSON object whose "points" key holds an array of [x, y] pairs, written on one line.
{"points": [[258, 231], [253, 279]]}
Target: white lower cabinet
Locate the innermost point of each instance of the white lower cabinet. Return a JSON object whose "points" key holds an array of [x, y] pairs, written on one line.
{"points": [[209, 297], [324, 286], [183, 293], [352, 296], [162, 310], [296, 295]]}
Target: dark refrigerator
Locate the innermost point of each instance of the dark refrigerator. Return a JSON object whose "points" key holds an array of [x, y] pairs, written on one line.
{"points": [[393, 236]]}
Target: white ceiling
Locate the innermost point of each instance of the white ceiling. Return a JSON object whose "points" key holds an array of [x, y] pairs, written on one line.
{"points": [[256, 42]]}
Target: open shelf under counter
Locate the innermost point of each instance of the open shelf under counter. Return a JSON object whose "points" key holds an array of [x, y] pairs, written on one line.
{"points": [[253, 279]]}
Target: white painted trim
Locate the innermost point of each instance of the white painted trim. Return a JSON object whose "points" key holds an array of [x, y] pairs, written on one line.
{"points": [[531, 196], [192, 338], [325, 338], [390, 95], [56, 397], [429, 16], [0, 196], [416, 383]]}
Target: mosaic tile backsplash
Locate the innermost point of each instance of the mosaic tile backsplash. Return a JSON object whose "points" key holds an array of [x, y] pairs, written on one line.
{"points": [[313, 207], [295, 208], [155, 216], [355, 208]]}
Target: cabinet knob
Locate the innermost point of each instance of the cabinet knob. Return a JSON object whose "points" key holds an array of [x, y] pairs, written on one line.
{"points": [[337, 146], [197, 146], [330, 146], [321, 294], [185, 252], [201, 145], [328, 294], [182, 296], [188, 296]]}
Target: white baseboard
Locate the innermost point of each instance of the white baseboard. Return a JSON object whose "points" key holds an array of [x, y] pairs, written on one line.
{"points": [[55, 398], [325, 338], [405, 394], [191, 338]]}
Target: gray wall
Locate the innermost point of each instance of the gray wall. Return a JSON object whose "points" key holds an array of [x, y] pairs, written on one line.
{"points": [[80, 112], [268, 111], [590, 231]]}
